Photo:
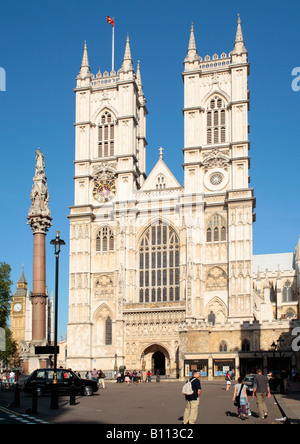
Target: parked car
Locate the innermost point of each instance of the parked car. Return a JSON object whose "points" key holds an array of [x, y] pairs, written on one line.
{"points": [[41, 381], [249, 382]]}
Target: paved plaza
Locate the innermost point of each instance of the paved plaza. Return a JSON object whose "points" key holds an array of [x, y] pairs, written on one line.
{"points": [[145, 403]]}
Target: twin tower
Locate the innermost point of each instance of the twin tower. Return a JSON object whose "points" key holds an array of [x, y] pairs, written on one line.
{"points": [[150, 258]]}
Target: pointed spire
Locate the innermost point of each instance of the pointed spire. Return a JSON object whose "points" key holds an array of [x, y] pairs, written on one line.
{"points": [[192, 54], [99, 73], [85, 67], [85, 59], [192, 43], [22, 279], [127, 62], [138, 76], [239, 46]]}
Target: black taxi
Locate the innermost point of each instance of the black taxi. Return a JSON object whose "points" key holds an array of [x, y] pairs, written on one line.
{"points": [[41, 381]]}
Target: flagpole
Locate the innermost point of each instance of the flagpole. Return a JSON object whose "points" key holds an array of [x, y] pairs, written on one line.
{"points": [[113, 46]]}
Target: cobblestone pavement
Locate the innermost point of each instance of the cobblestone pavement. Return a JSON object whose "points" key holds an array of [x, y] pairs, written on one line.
{"points": [[147, 403]]}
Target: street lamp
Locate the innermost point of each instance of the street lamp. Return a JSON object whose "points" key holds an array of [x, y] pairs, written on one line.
{"points": [[57, 242]]}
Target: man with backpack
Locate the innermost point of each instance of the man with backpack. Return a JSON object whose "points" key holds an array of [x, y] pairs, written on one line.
{"points": [[193, 399]]}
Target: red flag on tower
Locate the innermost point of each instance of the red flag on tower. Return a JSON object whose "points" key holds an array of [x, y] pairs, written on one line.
{"points": [[110, 20]]}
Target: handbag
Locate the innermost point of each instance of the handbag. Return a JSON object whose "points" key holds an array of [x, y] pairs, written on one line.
{"points": [[238, 398]]}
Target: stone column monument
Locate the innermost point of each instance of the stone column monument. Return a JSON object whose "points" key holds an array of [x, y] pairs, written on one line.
{"points": [[39, 219]]}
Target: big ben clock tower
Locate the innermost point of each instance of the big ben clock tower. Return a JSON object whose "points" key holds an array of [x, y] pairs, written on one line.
{"points": [[18, 309]]}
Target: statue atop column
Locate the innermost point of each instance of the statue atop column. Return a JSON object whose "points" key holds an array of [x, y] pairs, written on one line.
{"points": [[39, 219], [39, 216]]}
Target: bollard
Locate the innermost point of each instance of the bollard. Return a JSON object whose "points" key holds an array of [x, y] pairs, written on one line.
{"points": [[17, 396], [34, 401], [73, 394], [54, 397]]}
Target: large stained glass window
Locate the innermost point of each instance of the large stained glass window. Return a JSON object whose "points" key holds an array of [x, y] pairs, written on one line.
{"points": [[159, 264]]}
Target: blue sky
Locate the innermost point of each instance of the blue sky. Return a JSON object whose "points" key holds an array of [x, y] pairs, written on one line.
{"points": [[41, 45]]}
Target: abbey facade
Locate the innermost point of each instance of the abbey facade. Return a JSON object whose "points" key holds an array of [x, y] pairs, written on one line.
{"points": [[162, 275]]}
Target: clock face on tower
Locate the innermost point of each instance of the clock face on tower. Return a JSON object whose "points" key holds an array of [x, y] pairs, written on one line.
{"points": [[104, 190], [17, 307]]}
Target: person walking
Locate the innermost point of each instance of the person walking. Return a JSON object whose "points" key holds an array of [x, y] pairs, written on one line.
{"points": [[192, 401], [261, 390], [94, 375], [148, 376], [228, 381], [240, 398], [101, 376], [134, 377], [127, 379]]}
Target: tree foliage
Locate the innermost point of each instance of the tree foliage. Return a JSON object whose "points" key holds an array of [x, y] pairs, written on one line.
{"points": [[5, 293]]}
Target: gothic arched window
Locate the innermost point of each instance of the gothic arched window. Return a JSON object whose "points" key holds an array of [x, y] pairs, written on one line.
{"points": [[246, 347], [216, 229], [106, 136], [223, 347], [160, 182], [216, 121], [108, 331], [287, 292], [159, 264], [105, 240]]}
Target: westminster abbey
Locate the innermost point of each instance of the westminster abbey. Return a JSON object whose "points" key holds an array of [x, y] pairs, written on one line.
{"points": [[162, 274]]}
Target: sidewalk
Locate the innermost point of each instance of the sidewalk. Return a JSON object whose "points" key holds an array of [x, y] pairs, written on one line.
{"points": [[290, 403]]}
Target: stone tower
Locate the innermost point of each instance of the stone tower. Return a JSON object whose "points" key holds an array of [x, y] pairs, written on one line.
{"points": [[110, 144], [18, 309], [216, 164]]}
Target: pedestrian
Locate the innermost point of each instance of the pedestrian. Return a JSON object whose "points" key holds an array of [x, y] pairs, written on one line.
{"points": [[261, 390], [240, 398], [228, 381], [148, 376], [12, 378], [127, 379], [101, 376], [192, 401], [94, 375], [232, 375], [134, 377]]}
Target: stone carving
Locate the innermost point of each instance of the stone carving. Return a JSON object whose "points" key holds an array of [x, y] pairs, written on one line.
{"points": [[104, 171], [216, 159], [216, 279], [104, 287], [39, 216]]}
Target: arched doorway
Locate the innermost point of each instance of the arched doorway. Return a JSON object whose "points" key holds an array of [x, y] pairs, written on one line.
{"points": [[159, 363], [157, 358]]}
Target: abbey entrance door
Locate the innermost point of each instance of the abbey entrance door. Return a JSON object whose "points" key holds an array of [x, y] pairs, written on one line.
{"points": [[159, 363]]}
